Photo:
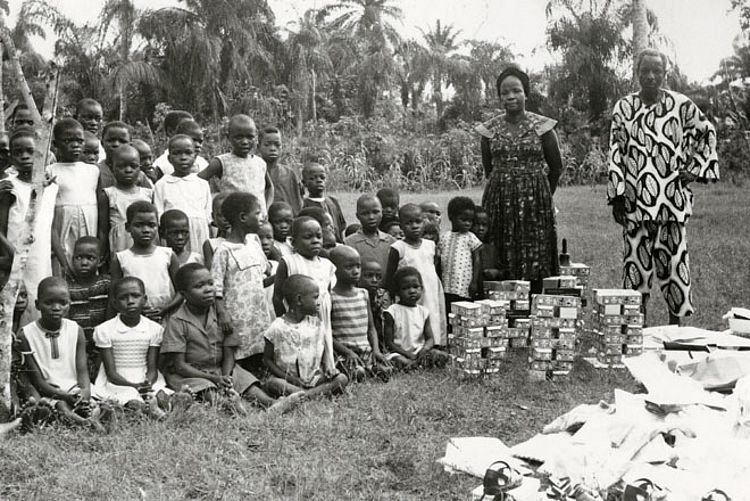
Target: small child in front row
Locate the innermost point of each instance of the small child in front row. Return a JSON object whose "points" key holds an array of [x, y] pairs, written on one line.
{"points": [[155, 266], [280, 216], [201, 356], [174, 229], [380, 300], [355, 340], [460, 254], [58, 349], [220, 226], [295, 350], [314, 176], [488, 252], [406, 324]]}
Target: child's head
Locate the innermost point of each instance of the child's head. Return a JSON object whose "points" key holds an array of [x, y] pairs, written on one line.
{"points": [[242, 211], [219, 221], [22, 144], [22, 117], [407, 283], [145, 155], [265, 235], [461, 214], [90, 113], [68, 139], [372, 275], [191, 128], [4, 151], [115, 135], [307, 237], [301, 294], [481, 223], [181, 154], [126, 165], [22, 301], [393, 228], [242, 134], [142, 222], [269, 145], [348, 265], [326, 223], [431, 211], [90, 154], [281, 216], [172, 119], [352, 229], [389, 201], [412, 221], [53, 301], [431, 231], [87, 257], [129, 297], [369, 213], [196, 285], [174, 228], [314, 177]]}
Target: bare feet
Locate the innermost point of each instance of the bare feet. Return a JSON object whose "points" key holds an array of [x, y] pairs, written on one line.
{"points": [[285, 404]]}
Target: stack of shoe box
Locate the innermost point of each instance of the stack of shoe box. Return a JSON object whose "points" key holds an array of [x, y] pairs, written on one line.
{"points": [[617, 325], [479, 340], [555, 325]]}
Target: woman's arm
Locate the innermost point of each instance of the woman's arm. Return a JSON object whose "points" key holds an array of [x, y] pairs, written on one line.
{"points": [[552, 156], [486, 156]]}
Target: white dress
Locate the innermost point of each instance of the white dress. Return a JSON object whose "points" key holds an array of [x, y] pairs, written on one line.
{"points": [[130, 347], [244, 174], [153, 270], [39, 262], [119, 201], [323, 272], [408, 326], [166, 167], [423, 259], [59, 370], [76, 211], [191, 195]]}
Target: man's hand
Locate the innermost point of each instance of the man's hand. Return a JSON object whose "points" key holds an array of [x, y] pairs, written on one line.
{"points": [[618, 210]]}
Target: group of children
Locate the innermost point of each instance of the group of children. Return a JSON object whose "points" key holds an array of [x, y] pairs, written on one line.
{"points": [[254, 291]]}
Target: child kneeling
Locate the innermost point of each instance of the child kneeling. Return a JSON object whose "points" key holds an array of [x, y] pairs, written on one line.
{"points": [[201, 357], [406, 326], [295, 345]]}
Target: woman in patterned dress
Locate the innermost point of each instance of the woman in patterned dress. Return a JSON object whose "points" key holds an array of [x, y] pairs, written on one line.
{"points": [[522, 163]]}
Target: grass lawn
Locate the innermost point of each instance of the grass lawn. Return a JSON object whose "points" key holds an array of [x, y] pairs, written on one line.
{"points": [[378, 441]]}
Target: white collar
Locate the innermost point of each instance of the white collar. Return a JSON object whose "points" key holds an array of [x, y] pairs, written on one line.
{"points": [[141, 327]]}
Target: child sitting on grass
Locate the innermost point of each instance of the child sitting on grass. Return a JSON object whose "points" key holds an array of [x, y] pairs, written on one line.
{"points": [[355, 340], [155, 266], [89, 295], [314, 175], [389, 202], [406, 324], [201, 356], [459, 254], [296, 345], [58, 348], [281, 216], [286, 183], [219, 224], [488, 252], [380, 300], [370, 242], [129, 347], [174, 229]]}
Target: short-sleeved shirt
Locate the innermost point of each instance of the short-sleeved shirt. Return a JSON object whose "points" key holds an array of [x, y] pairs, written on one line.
{"points": [[88, 303], [298, 348], [455, 258], [287, 187], [200, 339], [374, 248]]}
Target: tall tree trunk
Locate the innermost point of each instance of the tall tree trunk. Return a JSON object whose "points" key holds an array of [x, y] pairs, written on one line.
{"points": [[123, 102], [314, 90], [2, 95], [640, 32], [437, 92]]}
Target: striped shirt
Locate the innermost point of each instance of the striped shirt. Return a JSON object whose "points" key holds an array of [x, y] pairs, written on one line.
{"points": [[88, 303], [350, 320]]}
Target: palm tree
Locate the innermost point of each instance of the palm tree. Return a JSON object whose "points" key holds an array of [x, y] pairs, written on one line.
{"points": [[413, 72], [487, 60], [441, 46], [639, 20]]}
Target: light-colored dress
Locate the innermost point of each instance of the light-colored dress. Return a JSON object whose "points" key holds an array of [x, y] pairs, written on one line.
{"points": [[166, 167], [130, 347], [191, 195], [243, 174], [192, 257], [119, 201], [323, 272], [408, 326], [153, 270], [238, 271], [456, 260], [56, 357], [76, 211], [38, 263], [299, 348], [423, 259]]}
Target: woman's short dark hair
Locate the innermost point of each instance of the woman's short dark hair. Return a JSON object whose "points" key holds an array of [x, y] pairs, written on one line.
{"points": [[515, 71]]}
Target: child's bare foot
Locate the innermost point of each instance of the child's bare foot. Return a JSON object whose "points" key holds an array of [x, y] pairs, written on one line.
{"points": [[102, 417], [285, 404], [35, 413], [233, 404], [154, 410], [359, 374], [179, 402]]}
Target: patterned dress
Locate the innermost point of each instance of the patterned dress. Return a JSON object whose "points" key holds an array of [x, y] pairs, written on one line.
{"points": [[518, 198]]}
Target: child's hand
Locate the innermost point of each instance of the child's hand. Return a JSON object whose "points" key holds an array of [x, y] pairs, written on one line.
{"points": [[381, 358], [223, 381], [144, 387], [83, 407], [5, 186], [224, 323]]}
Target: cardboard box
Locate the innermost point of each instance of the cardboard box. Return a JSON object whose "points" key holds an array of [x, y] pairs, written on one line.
{"points": [[617, 296], [519, 342], [560, 281]]}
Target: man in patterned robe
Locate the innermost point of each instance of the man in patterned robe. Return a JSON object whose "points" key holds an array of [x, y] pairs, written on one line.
{"points": [[660, 142]]}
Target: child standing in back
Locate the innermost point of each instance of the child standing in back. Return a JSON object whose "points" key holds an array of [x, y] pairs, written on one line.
{"points": [[370, 242], [174, 229], [380, 300], [390, 202], [459, 254], [265, 236], [155, 266], [185, 191], [116, 135], [286, 183], [162, 165], [76, 210], [220, 226], [240, 169], [488, 252], [421, 254], [307, 239], [280, 216], [146, 158], [314, 176], [238, 269], [115, 200], [91, 146]]}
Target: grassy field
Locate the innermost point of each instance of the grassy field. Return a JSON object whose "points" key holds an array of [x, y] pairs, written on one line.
{"points": [[378, 441]]}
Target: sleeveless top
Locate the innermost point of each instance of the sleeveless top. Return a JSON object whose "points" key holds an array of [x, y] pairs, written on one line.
{"points": [[153, 269], [56, 357], [244, 174], [77, 181], [350, 320]]}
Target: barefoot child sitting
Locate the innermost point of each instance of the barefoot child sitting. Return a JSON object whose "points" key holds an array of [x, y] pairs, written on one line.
{"points": [[355, 340], [295, 345], [174, 229]]}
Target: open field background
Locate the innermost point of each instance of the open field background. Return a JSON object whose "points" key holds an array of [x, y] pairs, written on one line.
{"points": [[379, 441]]}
